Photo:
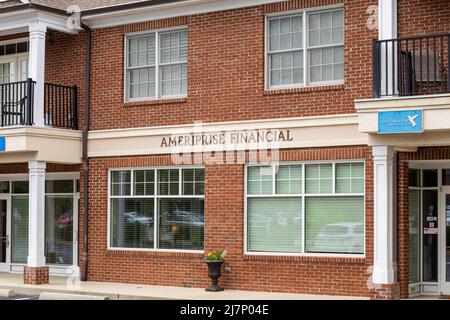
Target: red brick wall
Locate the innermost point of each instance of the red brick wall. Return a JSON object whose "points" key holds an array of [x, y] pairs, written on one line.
{"points": [[65, 63], [224, 229], [418, 17], [226, 71]]}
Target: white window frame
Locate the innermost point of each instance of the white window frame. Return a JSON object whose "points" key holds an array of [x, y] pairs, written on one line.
{"points": [[303, 197], [155, 198], [305, 48], [158, 65]]}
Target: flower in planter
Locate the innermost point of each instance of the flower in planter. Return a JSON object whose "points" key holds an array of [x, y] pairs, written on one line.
{"points": [[216, 255], [214, 261]]}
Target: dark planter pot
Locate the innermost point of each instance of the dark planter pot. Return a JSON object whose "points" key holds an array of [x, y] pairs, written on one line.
{"points": [[214, 272]]}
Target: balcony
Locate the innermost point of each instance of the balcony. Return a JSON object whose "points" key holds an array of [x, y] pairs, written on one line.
{"points": [[51, 137], [410, 76], [17, 105], [411, 66]]}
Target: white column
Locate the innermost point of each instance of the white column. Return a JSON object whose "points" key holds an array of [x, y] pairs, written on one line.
{"points": [[36, 67], [383, 271], [387, 29], [36, 233]]}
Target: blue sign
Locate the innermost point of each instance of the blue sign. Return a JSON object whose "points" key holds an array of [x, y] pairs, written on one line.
{"points": [[2, 144], [407, 121]]}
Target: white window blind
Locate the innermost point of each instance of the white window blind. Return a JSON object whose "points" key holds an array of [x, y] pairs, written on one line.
{"points": [[19, 226], [283, 217], [154, 73], [274, 224], [312, 40], [335, 224]]}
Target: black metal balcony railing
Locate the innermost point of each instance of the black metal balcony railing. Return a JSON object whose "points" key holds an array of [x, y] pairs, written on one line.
{"points": [[16, 108], [61, 106], [411, 66], [17, 105]]}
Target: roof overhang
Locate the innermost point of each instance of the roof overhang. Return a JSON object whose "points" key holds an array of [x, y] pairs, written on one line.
{"points": [[18, 20], [136, 12]]}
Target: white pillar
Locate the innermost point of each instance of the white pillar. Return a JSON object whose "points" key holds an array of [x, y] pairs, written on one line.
{"points": [[383, 271], [387, 29], [36, 233], [36, 67]]}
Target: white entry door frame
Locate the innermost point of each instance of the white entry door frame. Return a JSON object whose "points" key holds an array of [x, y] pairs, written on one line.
{"points": [[5, 237]]}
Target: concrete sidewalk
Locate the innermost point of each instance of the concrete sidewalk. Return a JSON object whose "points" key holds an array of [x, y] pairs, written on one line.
{"points": [[115, 291]]}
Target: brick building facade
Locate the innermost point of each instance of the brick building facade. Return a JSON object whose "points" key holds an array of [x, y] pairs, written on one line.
{"points": [[152, 220]]}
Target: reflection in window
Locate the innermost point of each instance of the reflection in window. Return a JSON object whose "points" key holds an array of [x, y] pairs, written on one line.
{"points": [[132, 223], [174, 216], [59, 229], [181, 223]]}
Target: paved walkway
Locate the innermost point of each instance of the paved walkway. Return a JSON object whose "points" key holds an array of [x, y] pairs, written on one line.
{"points": [[117, 291]]}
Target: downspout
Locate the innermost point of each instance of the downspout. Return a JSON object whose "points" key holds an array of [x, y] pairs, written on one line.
{"points": [[87, 100]]}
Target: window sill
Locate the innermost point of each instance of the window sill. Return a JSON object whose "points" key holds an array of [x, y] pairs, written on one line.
{"points": [[319, 259], [153, 102], [154, 253], [331, 87]]}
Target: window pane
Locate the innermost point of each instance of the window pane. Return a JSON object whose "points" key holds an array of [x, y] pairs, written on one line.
{"points": [[4, 186], [19, 229], [274, 225], [193, 182], [430, 178], [289, 180], [144, 182], [350, 178], [121, 183], [414, 236], [20, 187], [59, 230], [174, 46], [285, 68], [335, 225], [168, 182], [414, 177], [260, 180], [181, 224], [319, 178], [274, 26], [59, 186], [132, 223], [445, 177]]}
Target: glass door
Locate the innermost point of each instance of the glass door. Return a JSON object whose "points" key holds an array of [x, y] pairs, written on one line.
{"points": [[445, 243], [4, 234]]}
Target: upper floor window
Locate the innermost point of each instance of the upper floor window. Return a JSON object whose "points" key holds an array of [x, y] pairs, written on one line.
{"points": [[305, 48], [156, 65]]}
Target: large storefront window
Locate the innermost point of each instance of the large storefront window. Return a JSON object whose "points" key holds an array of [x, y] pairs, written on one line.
{"points": [[306, 208], [157, 209]]}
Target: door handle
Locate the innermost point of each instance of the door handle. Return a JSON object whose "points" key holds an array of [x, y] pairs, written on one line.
{"points": [[7, 241]]}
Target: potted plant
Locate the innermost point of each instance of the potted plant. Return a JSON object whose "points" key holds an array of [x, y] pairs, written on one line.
{"points": [[214, 261]]}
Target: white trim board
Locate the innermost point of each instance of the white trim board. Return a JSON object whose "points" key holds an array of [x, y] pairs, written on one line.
{"points": [[165, 11]]}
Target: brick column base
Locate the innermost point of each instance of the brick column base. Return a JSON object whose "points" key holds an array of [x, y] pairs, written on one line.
{"points": [[387, 292], [35, 276]]}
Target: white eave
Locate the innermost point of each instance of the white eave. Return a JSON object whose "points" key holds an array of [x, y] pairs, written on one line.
{"points": [[14, 22], [164, 11]]}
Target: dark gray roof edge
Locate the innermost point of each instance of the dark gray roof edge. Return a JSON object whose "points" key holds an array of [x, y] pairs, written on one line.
{"points": [[89, 12], [127, 6], [36, 6]]}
